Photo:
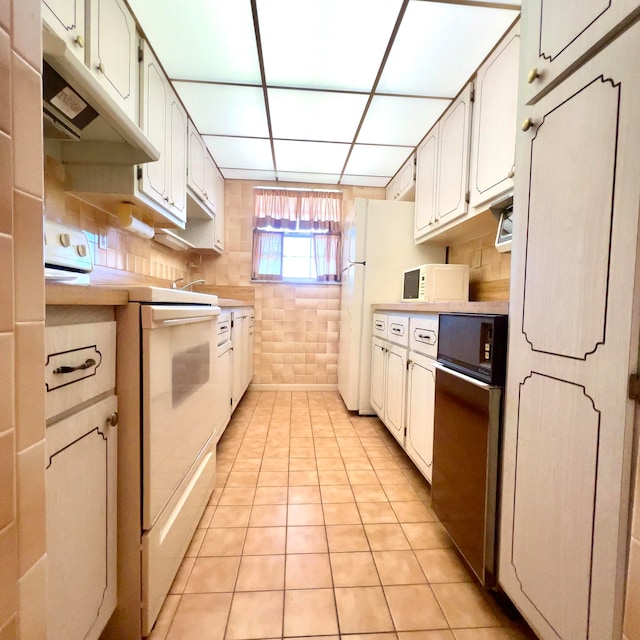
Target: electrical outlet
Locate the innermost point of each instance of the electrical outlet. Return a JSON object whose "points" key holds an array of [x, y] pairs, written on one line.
{"points": [[102, 239], [476, 261]]}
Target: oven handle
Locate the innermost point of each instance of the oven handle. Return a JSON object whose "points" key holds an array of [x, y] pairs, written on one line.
{"points": [[158, 316], [462, 376]]}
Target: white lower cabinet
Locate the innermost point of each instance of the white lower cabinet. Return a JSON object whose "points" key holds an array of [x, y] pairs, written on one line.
{"points": [[223, 375], [242, 341], [421, 389]]}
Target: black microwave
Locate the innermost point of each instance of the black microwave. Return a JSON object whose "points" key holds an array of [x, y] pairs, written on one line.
{"points": [[475, 345]]}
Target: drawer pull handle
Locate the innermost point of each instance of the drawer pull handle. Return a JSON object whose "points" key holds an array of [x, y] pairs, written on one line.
{"points": [[89, 362]]}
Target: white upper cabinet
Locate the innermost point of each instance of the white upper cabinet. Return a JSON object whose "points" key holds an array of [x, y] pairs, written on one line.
{"points": [[443, 169], [493, 129], [113, 52], [560, 33], [210, 183], [196, 162], [164, 121], [66, 19], [402, 186], [220, 213]]}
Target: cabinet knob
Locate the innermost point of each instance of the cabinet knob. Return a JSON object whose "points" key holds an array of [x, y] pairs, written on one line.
{"points": [[532, 75], [527, 124], [206, 197], [112, 420], [172, 203], [511, 174], [79, 41], [101, 68], [165, 198]]}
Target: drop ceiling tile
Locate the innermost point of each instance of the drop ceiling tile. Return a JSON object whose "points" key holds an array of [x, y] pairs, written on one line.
{"points": [[400, 121], [316, 178], [248, 153], [365, 181], [439, 46], [225, 110], [315, 115], [210, 40], [312, 157], [325, 45], [247, 174], [376, 160]]}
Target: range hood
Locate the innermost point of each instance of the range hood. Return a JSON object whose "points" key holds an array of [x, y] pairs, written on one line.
{"points": [[81, 122]]}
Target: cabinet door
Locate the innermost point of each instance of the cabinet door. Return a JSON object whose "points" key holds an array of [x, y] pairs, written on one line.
{"points": [[574, 327], [421, 389], [557, 34], [391, 192], [81, 523], [378, 366], [426, 184], [154, 121], [394, 396], [238, 363], [210, 181], [177, 158], [220, 213], [453, 159], [197, 152], [66, 18], [223, 391], [406, 179], [113, 52], [493, 132]]}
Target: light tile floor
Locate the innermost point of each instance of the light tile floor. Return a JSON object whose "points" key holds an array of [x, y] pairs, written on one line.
{"points": [[320, 526]]}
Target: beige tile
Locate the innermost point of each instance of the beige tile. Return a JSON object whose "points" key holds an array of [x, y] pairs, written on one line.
{"points": [[495, 633], [354, 569], [5, 97], [305, 515], [32, 593], [442, 565], [237, 496], [275, 464], [362, 610], [6, 175], [413, 512], [8, 573], [370, 636], [270, 495], [391, 476], [369, 493], [227, 541], [261, 573], [213, 575], [302, 478], [308, 571], [386, 537], [400, 493], [165, 617], [31, 506], [414, 607], [26, 127], [632, 610], [302, 464], [7, 478], [362, 477], [201, 616], [465, 606], [265, 541], [358, 464], [336, 494], [341, 513], [205, 519], [230, 516], [273, 479], [333, 477], [398, 567], [426, 535], [30, 347], [6, 289], [304, 495], [180, 581], [265, 620], [268, 515], [242, 479], [26, 31], [250, 464], [376, 513], [426, 635], [330, 464], [347, 537], [306, 539], [196, 543], [310, 612], [384, 463]]}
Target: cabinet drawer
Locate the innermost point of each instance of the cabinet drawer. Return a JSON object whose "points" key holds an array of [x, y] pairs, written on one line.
{"points": [[80, 364], [423, 335], [379, 329], [398, 331]]}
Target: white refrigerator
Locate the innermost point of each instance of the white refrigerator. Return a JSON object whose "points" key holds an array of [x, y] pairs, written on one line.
{"points": [[377, 246]]}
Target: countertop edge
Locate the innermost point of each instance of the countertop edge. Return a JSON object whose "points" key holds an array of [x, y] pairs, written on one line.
{"points": [[490, 307], [227, 303], [74, 294]]}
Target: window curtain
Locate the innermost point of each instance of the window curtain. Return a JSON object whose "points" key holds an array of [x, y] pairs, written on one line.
{"points": [[327, 250], [267, 255], [302, 210]]}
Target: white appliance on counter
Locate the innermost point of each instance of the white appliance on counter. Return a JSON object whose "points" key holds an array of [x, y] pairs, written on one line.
{"points": [[377, 247], [166, 373]]}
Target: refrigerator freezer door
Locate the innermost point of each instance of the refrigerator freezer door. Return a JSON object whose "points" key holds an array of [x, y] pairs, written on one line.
{"points": [[351, 317]]}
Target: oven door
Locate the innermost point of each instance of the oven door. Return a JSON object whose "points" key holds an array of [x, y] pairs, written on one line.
{"points": [[178, 391]]}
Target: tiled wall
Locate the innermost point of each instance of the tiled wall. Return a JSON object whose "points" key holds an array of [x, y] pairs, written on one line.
{"points": [[297, 327], [22, 430], [487, 264]]}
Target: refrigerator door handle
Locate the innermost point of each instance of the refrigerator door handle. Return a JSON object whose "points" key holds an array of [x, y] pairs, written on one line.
{"points": [[350, 263]]}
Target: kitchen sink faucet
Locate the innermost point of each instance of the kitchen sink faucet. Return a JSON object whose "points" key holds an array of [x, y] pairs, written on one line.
{"points": [[174, 283]]}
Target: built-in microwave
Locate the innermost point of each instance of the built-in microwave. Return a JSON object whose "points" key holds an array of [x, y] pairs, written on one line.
{"points": [[436, 283]]}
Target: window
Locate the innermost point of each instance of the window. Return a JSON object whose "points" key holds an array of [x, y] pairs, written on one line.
{"points": [[296, 235]]}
